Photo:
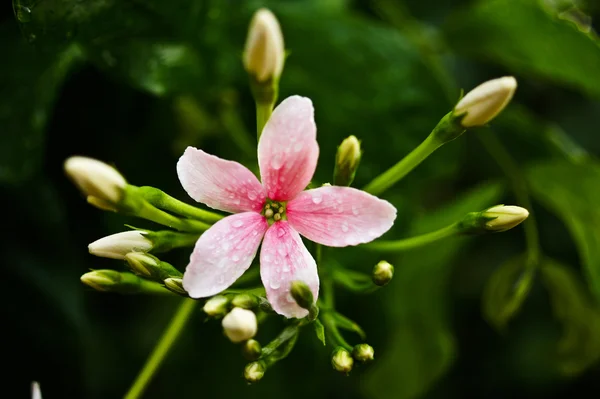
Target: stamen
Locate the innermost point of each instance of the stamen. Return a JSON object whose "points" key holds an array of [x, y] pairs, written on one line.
{"points": [[277, 216], [268, 211]]}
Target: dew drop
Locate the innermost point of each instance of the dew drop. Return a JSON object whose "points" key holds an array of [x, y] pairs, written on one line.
{"points": [[355, 210], [236, 201], [254, 233], [281, 251], [280, 233], [277, 161], [268, 258], [345, 227], [286, 267], [235, 258], [226, 246], [237, 223], [317, 199], [298, 146], [274, 284], [252, 195]]}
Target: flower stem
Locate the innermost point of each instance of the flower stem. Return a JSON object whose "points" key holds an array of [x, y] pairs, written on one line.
{"points": [[162, 200], [402, 168], [150, 212], [413, 242], [263, 113], [162, 348]]}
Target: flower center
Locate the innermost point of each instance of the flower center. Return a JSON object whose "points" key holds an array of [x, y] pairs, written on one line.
{"points": [[274, 211]]}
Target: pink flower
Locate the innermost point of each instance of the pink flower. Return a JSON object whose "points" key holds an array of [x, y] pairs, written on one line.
{"points": [[274, 212]]}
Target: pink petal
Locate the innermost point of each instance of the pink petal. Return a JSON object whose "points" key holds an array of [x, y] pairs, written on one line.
{"points": [[283, 260], [288, 149], [340, 216], [223, 253], [218, 183]]}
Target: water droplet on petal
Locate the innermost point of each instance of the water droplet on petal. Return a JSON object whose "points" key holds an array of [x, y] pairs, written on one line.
{"points": [[277, 161], [345, 227], [274, 284], [237, 223], [236, 201], [226, 245], [254, 233], [280, 233], [235, 258], [317, 199], [281, 251], [298, 146], [268, 258], [252, 195], [286, 267], [355, 210]]}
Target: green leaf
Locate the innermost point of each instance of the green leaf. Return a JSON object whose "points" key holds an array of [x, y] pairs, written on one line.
{"points": [[529, 38], [421, 345], [30, 82], [580, 345], [506, 291], [572, 193], [320, 331], [346, 324]]}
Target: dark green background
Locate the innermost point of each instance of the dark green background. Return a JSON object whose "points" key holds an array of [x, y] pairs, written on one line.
{"points": [[133, 82]]}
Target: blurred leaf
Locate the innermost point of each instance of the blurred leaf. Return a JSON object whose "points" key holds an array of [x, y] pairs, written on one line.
{"points": [[29, 82], [421, 346], [527, 37], [572, 193], [506, 290], [346, 324], [319, 330], [580, 344]]}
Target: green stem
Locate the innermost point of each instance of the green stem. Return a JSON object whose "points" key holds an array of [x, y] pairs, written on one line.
{"points": [[148, 211], [175, 327], [402, 168], [519, 186], [162, 200], [413, 242], [263, 113]]}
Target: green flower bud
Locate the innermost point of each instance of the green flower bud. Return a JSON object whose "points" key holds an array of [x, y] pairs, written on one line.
{"points": [[341, 360], [254, 372], [246, 301], [346, 161], [302, 294], [251, 349], [216, 306], [175, 284], [364, 353], [383, 272]]}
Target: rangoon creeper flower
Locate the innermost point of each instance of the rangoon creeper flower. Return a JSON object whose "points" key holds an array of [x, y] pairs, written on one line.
{"points": [[264, 53], [116, 246], [239, 325], [102, 184], [276, 210], [484, 102]]}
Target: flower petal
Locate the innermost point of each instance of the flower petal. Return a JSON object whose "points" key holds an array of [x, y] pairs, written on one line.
{"points": [[288, 149], [223, 253], [340, 216], [283, 260], [218, 183]]}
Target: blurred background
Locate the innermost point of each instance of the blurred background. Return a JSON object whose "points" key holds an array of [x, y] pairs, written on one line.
{"points": [[133, 82]]}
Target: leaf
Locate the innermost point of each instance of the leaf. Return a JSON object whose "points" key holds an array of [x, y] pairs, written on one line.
{"points": [[572, 192], [30, 82], [580, 345], [421, 345], [506, 291], [320, 331], [515, 33], [345, 323]]}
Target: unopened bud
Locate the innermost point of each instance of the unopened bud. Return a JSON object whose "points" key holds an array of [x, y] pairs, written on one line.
{"points": [[246, 301], [383, 272], [101, 280], [264, 52], [240, 325], [346, 161], [302, 294], [141, 263], [483, 103], [216, 306], [36, 393], [251, 349], [102, 184], [341, 360], [504, 217], [175, 285], [364, 353], [254, 372], [116, 246]]}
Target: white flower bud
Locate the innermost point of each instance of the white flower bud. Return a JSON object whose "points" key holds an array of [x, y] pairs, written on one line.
{"points": [[264, 53], [216, 306], [239, 325], [383, 272], [102, 184], [118, 245], [505, 217], [346, 161], [254, 372], [36, 393], [484, 102], [363, 353], [342, 360]]}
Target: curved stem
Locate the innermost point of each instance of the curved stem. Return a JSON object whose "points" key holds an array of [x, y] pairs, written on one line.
{"points": [[148, 211], [402, 168], [162, 348], [413, 242], [263, 113]]}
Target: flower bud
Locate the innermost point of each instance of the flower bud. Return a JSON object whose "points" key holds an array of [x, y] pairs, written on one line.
{"points": [[302, 294], [36, 393], [251, 349], [116, 246], [254, 372], [383, 272], [341, 360], [175, 284], [216, 306], [102, 184], [346, 161], [483, 103], [246, 301], [239, 325], [504, 217], [364, 353], [264, 53], [101, 280]]}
